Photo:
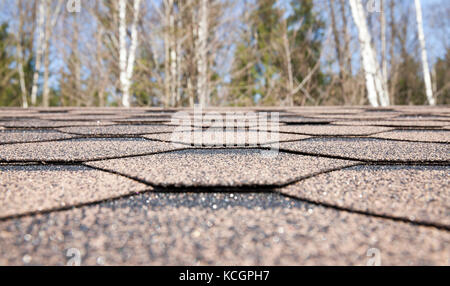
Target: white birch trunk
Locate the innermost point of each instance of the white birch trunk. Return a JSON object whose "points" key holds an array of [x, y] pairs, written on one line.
{"points": [[127, 58], [173, 60], [123, 53], [50, 18], [133, 47], [384, 69], [178, 63], [46, 88], [202, 81], [23, 88], [374, 82], [167, 72], [38, 50], [426, 70]]}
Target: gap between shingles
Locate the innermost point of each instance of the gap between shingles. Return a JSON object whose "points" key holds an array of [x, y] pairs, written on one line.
{"points": [[404, 127], [263, 188], [78, 136], [371, 162], [191, 147], [69, 207], [408, 140], [230, 147], [368, 213], [75, 162], [54, 127], [230, 189]]}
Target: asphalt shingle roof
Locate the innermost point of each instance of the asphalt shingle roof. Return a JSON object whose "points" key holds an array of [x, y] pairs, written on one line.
{"points": [[111, 184]]}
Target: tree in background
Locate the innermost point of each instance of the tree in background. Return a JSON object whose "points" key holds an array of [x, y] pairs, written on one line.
{"points": [[254, 52], [9, 87], [257, 63], [423, 52], [376, 91], [280, 53], [441, 79], [127, 56], [306, 31]]}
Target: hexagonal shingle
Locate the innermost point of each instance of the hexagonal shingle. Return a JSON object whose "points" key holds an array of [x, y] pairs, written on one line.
{"points": [[411, 192], [395, 123], [369, 149], [34, 135], [216, 229], [330, 130], [81, 149], [118, 129], [27, 189], [220, 168], [226, 138], [37, 123], [416, 135]]}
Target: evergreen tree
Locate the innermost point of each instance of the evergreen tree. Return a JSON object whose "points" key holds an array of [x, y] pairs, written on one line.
{"points": [[306, 30], [261, 46], [9, 85], [255, 61], [442, 71]]}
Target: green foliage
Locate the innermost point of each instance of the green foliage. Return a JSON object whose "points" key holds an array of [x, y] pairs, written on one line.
{"points": [[442, 79], [307, 42], [9, 85], [410, 87], [263, 61]]}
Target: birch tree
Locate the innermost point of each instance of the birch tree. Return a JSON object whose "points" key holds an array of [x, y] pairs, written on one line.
{"points": [[41, 11], [19, 51], [377, 94], [46, 22], [202, 54], [426, 70], [384, 69], [127, 57], [50, 22]]}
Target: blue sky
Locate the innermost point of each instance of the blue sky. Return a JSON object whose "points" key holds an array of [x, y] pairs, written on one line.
{"points": [[434, 39]]}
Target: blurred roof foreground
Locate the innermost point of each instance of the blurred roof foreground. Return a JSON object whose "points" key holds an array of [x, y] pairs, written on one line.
{"points": [[349, 184]]}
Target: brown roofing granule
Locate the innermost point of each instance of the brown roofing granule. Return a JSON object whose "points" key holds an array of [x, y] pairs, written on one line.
{"points": [[38, 123], [329, 130], [422, 109], [416, 135], [357, 116], [33, 135], [395, 123], [227, 138], [218, 167], [372, 149], [216, 229], [25, 189], [82, 149], [118, 129], [412, 192], [143, 121], [14, 115], [304, 120], [82, 117]]}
